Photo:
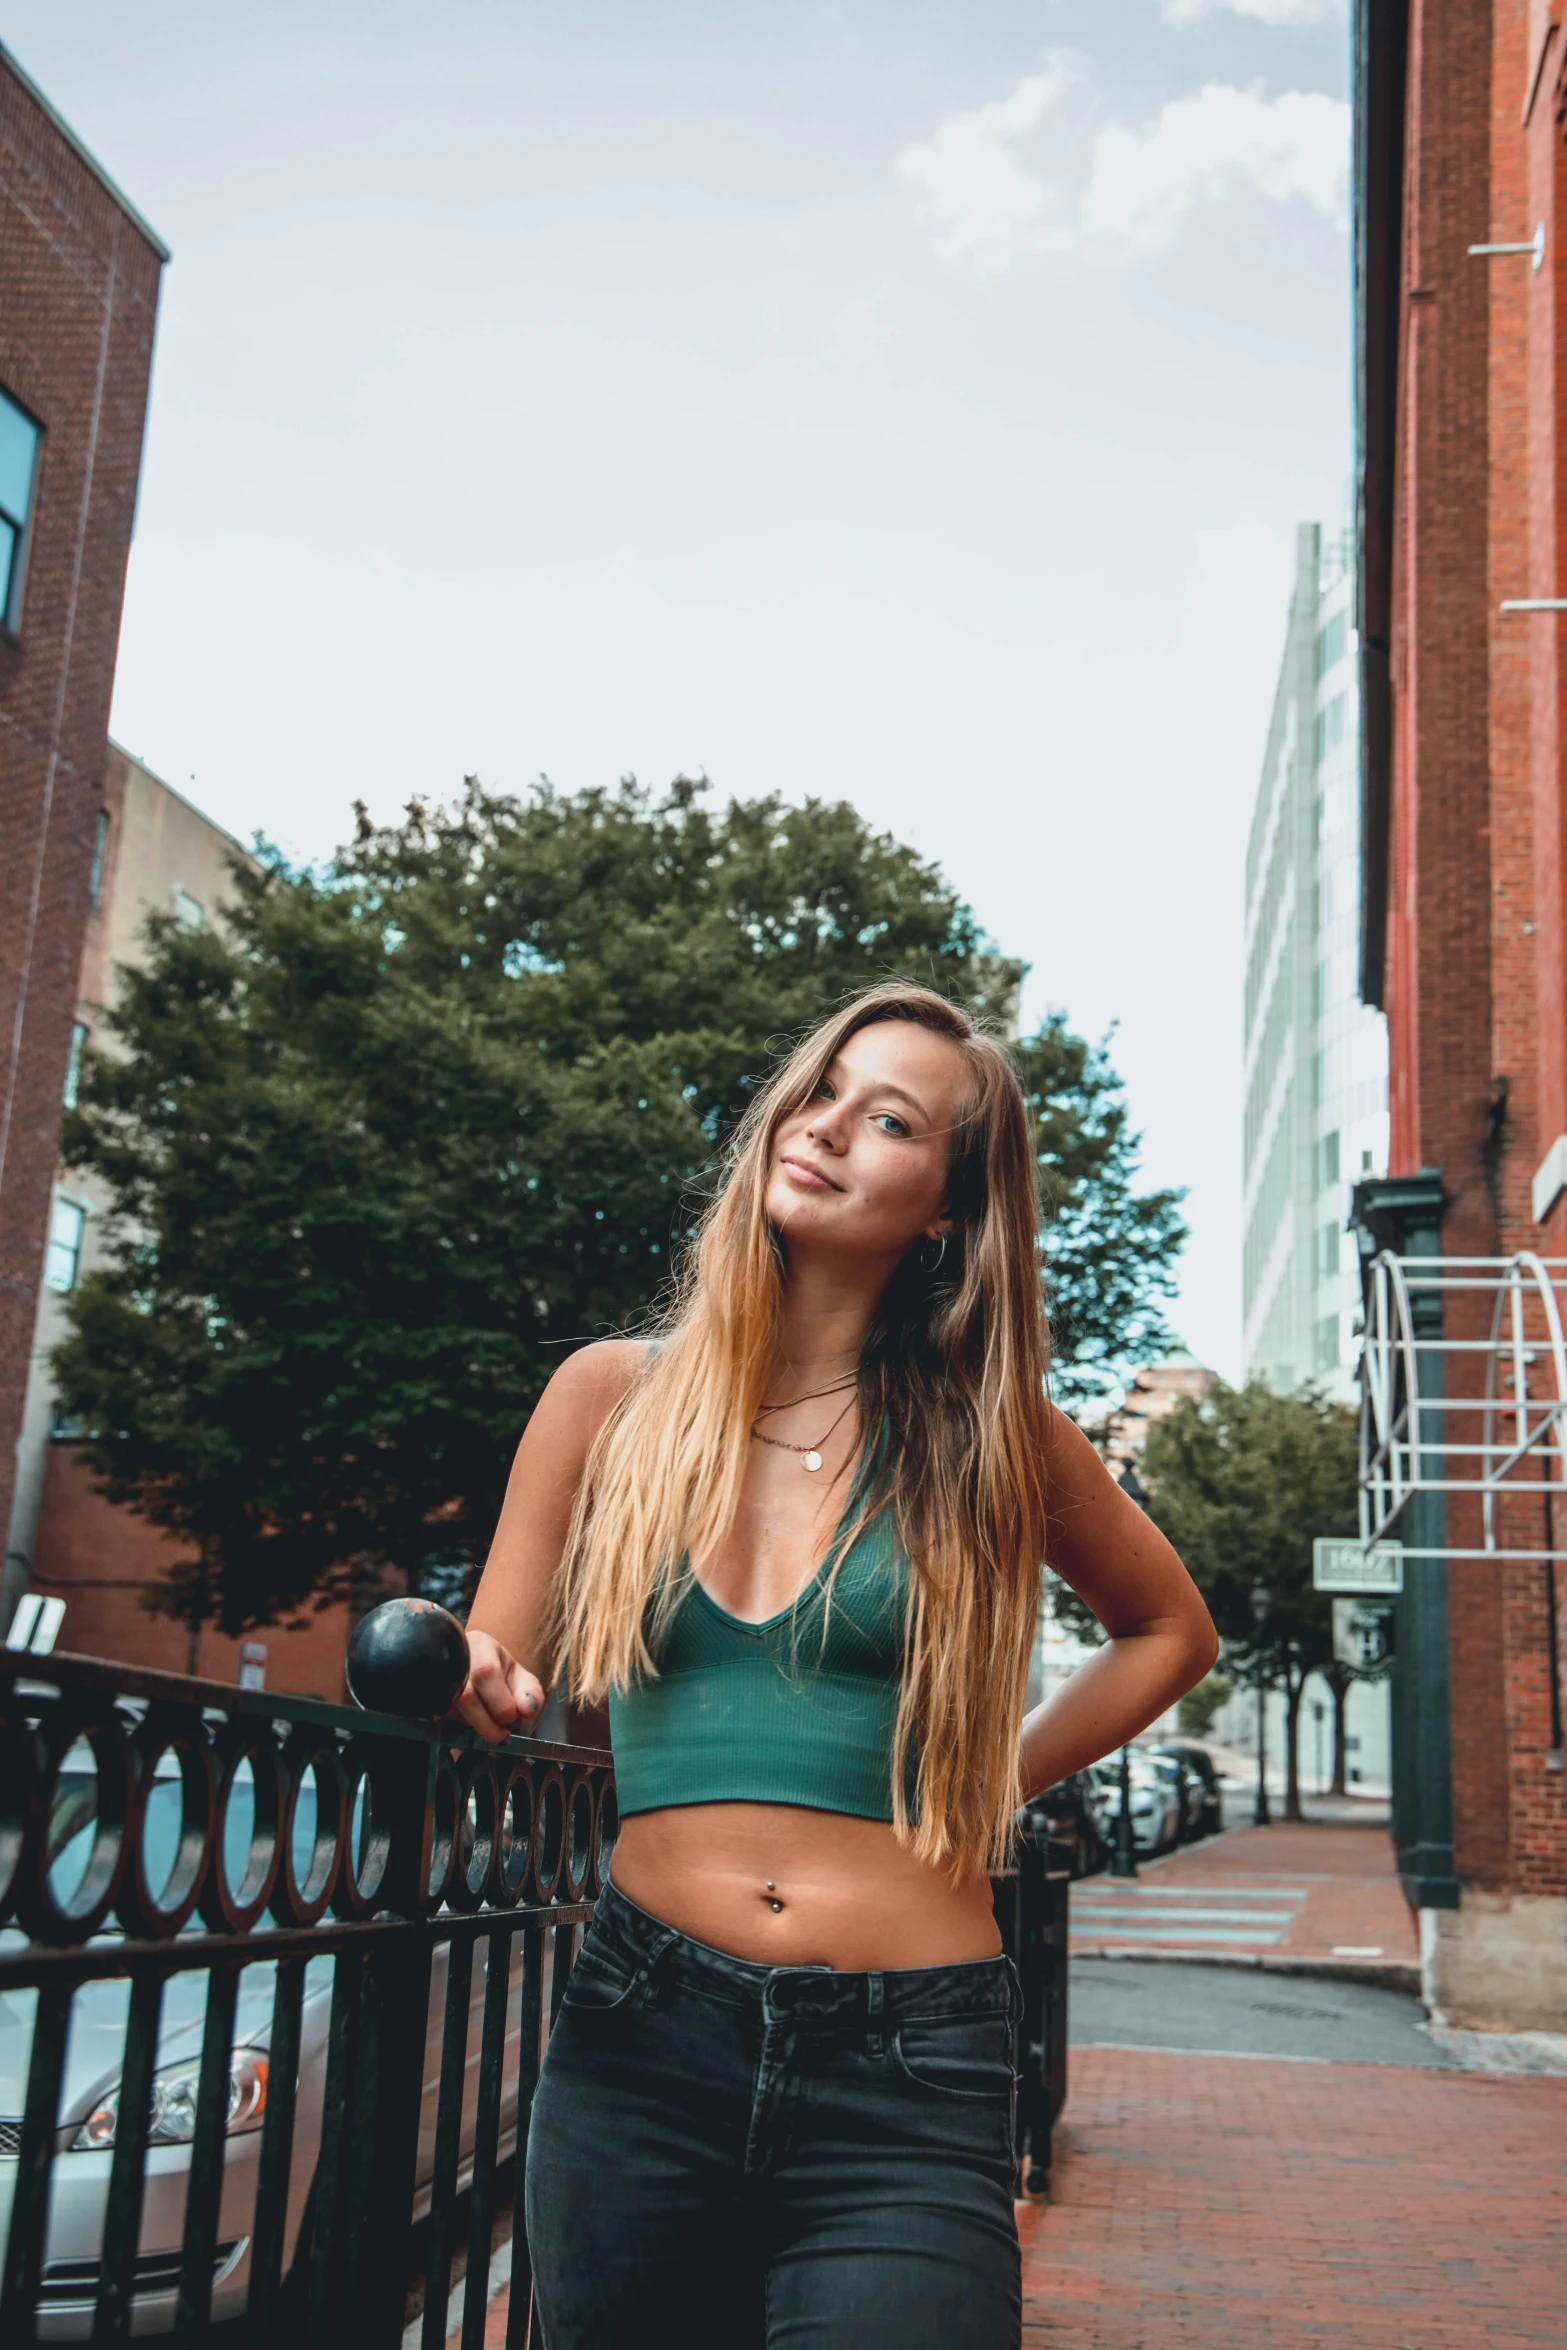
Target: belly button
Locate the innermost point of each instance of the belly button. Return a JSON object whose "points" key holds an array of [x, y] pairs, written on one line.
{"points": [[772, 1888]]}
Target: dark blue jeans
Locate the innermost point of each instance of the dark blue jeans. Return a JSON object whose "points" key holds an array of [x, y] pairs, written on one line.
{"points": [[726, 2156]]}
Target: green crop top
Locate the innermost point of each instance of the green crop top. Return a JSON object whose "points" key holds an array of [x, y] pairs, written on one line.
{"points": [[770, 1713]]}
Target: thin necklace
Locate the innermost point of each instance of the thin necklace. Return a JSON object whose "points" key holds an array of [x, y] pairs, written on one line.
{"points": [[811, 1454], [810, 1396]]}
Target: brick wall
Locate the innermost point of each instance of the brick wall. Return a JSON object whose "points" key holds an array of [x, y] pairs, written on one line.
{"points": [[1476, 952], [79, 279]]}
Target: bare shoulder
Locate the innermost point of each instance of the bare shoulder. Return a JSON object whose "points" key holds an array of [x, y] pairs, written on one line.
{"points": [[601, 1371], [574, 1407], [587, 1387]]}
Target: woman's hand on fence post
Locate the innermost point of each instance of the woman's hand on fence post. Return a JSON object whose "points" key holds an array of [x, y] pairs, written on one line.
{"points": [[500, 1698]]}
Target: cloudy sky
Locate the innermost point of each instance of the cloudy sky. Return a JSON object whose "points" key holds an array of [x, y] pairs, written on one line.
{"points": [[903, 400]]}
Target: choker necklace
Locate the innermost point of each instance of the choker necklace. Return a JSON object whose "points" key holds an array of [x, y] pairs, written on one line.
{"points": [[810, 1454], [836, 1387]]}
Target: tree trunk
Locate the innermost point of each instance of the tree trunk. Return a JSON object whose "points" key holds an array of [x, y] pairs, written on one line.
{"points": [[1294, 1690], [1338, 1680]]}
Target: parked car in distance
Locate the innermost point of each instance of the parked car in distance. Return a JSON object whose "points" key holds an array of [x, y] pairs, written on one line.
{"points": [[1188, 1791], [1069, 1818], [1200, 1763], [1156, 1802]]}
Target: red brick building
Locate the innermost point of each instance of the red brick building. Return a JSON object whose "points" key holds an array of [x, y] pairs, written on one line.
{"points": [[79, 279], [1460, 114]]}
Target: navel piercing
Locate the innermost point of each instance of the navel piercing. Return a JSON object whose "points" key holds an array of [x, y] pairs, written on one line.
{"points": [[771, 1887], [775, 1905]]}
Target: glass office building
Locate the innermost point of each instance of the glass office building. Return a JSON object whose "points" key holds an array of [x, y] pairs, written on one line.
{"points": [[1315, 1056]]}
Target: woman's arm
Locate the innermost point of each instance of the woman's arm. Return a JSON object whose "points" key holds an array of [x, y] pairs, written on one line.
{"points": [[1162, 1639], [508, 1669]]}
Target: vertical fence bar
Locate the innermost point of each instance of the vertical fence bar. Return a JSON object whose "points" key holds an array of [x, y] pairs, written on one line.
{"points": [[520, 2307], [24, 2250], [127, 2170], [448, 2140], [389, 2084], [204, 2188], [561, 1961], [269, 2229], [342, 2034], [486, 2133]]}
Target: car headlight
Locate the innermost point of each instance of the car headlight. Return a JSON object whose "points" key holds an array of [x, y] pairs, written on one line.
{"points": [[174, 2090]]}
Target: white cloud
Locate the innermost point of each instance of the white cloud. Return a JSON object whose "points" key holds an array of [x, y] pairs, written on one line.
{"points": [[990, 208], [986, 205], [1143, 183], [1273, 12]]}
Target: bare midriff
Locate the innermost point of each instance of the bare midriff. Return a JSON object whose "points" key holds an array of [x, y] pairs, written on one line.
{"points": [[783, 1886]]}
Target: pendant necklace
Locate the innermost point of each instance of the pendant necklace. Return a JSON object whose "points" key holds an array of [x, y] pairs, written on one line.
{"points": [[810, 1454]]}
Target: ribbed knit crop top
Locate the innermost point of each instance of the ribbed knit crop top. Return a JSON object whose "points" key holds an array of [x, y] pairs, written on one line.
{"points": [[775, 1712]]}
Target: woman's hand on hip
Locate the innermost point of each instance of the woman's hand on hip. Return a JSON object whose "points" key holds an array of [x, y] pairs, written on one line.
{"points": [[500, 1698]]}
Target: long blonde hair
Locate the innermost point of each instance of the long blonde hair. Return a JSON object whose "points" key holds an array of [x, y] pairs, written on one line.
{"points": [[953, 1368]]}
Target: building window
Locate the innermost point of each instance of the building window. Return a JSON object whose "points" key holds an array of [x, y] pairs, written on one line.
{"points": [[1319, 991], [1327, 1159], [73, 1067], [189, 912], [1365, 1162], [99, 853], [62, 1261], [1330, 644], [1319, 1079], [1327, 1251], [20, 438], [1330, 727], [1325, 1343]]}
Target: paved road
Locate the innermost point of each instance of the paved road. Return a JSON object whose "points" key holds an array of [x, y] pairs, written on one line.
{"points": [[1240, 2011]]}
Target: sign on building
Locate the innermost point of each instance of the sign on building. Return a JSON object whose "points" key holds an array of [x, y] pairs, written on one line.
{"points": [[1349, 1566], [1363, 1637]]}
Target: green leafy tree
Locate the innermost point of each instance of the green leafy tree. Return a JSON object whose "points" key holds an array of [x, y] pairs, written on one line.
{"points": [[1201, 1706], [387, 1145], [1242, 1482]]}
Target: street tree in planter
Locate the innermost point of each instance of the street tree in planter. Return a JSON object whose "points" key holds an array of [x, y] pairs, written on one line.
{"points": [[388, 1144], [1242, 1482]]}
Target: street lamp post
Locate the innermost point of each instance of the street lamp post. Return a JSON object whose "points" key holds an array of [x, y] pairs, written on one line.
{"points": [[1319, 1715], [1261, 1601], [1123, 1857]]}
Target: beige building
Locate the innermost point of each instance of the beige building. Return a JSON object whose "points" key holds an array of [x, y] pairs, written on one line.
{"points": [[154, 854], [1154, 1390]]}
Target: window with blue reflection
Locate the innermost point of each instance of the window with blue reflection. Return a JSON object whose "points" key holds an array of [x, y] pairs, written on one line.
{"points": [[19, 439]]}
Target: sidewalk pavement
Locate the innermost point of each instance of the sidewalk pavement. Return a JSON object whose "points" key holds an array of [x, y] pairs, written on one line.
{"points": [[1219, 2203], [1322, 1898]]}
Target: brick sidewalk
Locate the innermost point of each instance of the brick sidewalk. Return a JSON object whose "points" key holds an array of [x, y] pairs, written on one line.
{"points": [[1313, 1894], [1232, 2203], [1207, 2203]]}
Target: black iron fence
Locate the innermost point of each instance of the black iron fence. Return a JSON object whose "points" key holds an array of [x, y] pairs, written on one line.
{"points": [[275, 1978], [1031, 1910]]}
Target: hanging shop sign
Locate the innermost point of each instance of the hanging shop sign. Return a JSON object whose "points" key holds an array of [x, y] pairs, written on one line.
{"points": [[1363, 1637], [1350, 1566]]}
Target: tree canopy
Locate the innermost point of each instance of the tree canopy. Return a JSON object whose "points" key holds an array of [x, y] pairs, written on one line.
{"points": [[1243, 1482], [396, 1136]]}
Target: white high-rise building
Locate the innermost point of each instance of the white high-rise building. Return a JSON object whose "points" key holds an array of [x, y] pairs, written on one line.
{"points": [[1316, 1058]]}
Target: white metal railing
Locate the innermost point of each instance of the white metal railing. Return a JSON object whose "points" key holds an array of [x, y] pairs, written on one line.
{"points": [[1468, 1414]]}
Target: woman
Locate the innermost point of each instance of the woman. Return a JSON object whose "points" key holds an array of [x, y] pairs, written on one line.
{"points": [[797, 1544]]}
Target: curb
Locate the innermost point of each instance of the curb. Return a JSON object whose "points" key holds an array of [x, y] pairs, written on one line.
{"points": [[1390, 1974]]}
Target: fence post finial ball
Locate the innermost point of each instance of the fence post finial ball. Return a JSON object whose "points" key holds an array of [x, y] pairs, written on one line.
{"points": [[407, 1657]]}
